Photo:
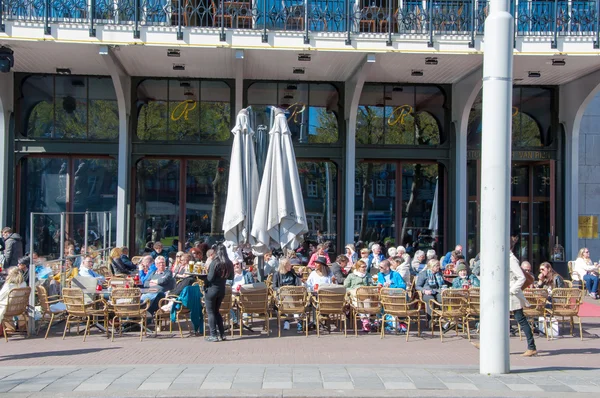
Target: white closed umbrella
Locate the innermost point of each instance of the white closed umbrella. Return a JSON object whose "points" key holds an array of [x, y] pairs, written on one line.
{"points": [[280, 219], [243, 184], [433, 218]]}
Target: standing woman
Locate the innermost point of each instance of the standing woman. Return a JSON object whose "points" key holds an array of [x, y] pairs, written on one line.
{"points": [[220, 270]]}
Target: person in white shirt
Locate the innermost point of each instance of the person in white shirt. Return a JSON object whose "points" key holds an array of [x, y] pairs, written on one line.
{"points": [[587, 272], [322, 275], [14, 280], [86, 270]]}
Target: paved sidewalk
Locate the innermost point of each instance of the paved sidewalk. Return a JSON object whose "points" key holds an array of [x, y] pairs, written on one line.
{"points": [[291, 381]]}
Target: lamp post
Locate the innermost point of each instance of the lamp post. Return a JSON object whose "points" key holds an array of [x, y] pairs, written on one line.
{"points": [[495, 188]]}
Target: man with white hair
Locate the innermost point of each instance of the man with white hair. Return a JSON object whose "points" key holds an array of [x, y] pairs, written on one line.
{"points": [[374, 259], [400, 250], [431, 255], [419, 262]]}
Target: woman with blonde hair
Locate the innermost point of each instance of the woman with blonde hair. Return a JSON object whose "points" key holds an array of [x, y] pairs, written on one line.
{"points": [[118, 265], [359, 277], [14, 279], [285, 275], [586, 272]]}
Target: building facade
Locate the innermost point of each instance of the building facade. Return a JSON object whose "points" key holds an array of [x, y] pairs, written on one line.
{"points": [[127, 107]]}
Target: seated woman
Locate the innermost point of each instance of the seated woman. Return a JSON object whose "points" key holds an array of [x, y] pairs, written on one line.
{"points": [[285, 275], [118, 265], [430, 283], [548, 278], [240, 276], [463, 279], [14, 279], [586, 272], [322, 275], [177, 263], [358, 277]]}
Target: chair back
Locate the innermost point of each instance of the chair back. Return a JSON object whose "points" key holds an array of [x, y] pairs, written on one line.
{"points": [[537, 299], [566, 301], [227, 302], [331, 299], [43, 298], [292, 299], [455, 301], [120, 282], [18, 300], [474, 300], [367, 300], [394, 301], [74, 301], [254, 298], [568, 284], [126, 301]]}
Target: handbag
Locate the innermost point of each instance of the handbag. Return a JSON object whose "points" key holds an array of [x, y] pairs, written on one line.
{"points": [[529, 280]]}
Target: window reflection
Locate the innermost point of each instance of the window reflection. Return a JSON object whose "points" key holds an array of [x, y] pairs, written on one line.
{"points": [[71, 107], [157, 201], [183, 110], [311, 109], [319, 190], [400, 115]]}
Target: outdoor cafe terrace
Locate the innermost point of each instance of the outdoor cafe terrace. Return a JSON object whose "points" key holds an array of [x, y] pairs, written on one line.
{"points": [[384, 18]]}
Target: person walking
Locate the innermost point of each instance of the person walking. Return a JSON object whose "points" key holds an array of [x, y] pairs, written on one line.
{"points": [[518, 301], [220, 270]]}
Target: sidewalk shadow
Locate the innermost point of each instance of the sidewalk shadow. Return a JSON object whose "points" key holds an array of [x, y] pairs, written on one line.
{"points": [[570, 351], [55, 353], [552, 368]]}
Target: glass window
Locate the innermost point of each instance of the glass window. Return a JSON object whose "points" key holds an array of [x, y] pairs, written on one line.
{"points": [[321, 209], [183, 110], [400, 115], [70, 107], [206, 196], [380, 187], [531, 118], [311, 109], [156, 201], [93, 188]]}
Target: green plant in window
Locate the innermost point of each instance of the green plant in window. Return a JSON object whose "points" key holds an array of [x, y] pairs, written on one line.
{"points": [[215, 120], [41, 120], [327, 127], [103, 119], [152, 121]]}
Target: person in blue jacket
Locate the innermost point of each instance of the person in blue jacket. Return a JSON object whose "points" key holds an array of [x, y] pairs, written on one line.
{"points": [[388, 277]]}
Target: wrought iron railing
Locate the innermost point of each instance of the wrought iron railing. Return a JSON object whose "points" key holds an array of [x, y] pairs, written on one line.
{"points": [[387, 18]]}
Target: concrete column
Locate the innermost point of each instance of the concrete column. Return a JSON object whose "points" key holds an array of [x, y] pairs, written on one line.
{"points": [[6, 109], [464, 93], [122, 83], [353, 88], [574, 98], [495, 188]]}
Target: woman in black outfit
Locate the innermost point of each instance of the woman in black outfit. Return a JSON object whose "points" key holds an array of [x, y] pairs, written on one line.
{"points": [[219, 271]]}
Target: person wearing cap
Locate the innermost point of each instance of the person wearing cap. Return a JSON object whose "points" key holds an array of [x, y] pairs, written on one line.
{"points": [[322, 275], [463, 279]]}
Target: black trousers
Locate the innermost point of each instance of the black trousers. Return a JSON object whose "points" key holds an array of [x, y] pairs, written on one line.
{"points": [[526, 328], [212, 300]]}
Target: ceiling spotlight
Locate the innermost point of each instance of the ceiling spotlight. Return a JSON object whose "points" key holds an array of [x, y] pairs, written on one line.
{"points": [[178, 66], [371, 58], [534, 74], [298, 71], [431, 61], [416, 72], [7, 59], [291, 87], [304, 57], [173, 52], [185, 84], [558, 62], [103, 50], [63, 71]]}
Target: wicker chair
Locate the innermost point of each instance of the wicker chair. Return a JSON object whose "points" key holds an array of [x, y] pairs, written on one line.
{"points": [[293, 300], [473, 305], [18, 301], [565, 304], [224, 310], [78, 311], [162, 317], [537, 299], [127, 307], [396, 305], [365, 303], [120, 281], [105, 271], [577, 280], [254, 299], [45, 303], [330, 303], [453, 308]]}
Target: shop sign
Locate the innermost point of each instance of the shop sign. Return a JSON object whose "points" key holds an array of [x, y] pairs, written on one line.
{"points": [[588, 227]]}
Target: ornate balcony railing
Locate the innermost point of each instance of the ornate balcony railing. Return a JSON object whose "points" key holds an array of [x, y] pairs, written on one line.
{"points": [[352, 17]]}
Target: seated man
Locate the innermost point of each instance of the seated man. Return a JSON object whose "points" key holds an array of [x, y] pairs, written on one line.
{"points": [[160, 280], [159, 251], [388, 277], [337, 268], [146, 267], [86, 270], [448, 257]]}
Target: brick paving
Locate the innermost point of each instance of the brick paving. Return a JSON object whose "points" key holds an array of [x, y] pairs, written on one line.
{"points": [[292, 365]]}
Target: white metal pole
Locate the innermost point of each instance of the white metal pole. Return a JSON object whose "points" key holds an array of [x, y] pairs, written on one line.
{"points": [[85, 239], [104, 247], [61, 250], [495, 188], [31, 323]]}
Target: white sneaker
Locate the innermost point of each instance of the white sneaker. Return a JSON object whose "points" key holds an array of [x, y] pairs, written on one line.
{"points": [[286, 325]]}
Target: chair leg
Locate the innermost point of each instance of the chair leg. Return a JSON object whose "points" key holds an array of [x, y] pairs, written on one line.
{"points": [[317, 324], [580, 329], [113, 329], [441, 331], [4, 332], [66, 326], [49, 326], [466, 323], [408, 320], [87, 327]]}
